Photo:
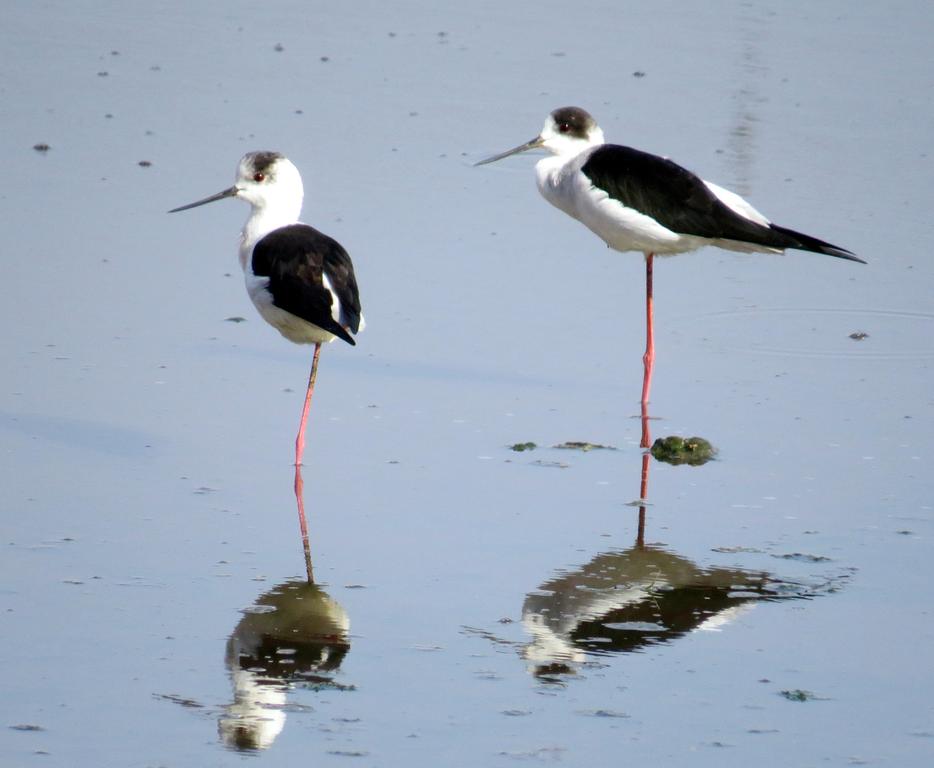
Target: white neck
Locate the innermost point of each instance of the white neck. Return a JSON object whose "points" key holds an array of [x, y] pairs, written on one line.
{"points": [[554, 175]]}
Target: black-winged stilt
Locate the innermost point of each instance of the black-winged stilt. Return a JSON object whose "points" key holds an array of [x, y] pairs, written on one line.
{"points": [[301, 281], [635, 201]]}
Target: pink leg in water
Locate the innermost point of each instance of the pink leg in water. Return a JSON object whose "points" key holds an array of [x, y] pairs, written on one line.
{"points": [[644, 484], [300, 440], [300, 501], [648, 359]]}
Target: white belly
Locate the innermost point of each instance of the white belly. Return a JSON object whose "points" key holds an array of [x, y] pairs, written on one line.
{"points": [[293, 328]]}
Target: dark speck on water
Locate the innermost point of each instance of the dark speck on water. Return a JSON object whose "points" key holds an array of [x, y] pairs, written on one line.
{"points": [[804, 558], [736, 549], [144, 163], [603, 713], [859, 335], [26, 727], [797, 695], [519, 447], [553, 464], [41, 147], [235, 319], [180, 700]]}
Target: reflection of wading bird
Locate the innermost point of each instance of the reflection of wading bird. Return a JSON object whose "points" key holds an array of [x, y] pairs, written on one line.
{"points": [[635, 201], [625, 600], [301, 281], [295, 634]]}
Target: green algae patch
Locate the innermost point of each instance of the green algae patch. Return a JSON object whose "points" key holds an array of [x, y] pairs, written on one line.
{"points": [[520, 447], [797, 695], [579, 445], [683, 450]]}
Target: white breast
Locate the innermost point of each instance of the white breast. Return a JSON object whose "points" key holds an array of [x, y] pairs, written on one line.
{"points": [[565, 186]]}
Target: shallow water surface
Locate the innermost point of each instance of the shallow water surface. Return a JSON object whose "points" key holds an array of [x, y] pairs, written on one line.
{"points": [[473, 604]]}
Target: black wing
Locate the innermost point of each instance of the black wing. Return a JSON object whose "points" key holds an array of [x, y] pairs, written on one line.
{"points": [[682, 202], [295, 259]]}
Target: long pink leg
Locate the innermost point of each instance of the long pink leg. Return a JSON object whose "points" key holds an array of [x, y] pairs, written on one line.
{"points": [[648, 359], [300, 440], [303, 524]]}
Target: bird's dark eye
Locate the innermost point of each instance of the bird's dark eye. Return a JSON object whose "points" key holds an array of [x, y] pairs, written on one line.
{"points": [[564, 127], [259, 177]]}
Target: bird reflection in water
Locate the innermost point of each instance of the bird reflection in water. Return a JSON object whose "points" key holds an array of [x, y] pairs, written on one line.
{"points": [[293, 636], [626, 600]]}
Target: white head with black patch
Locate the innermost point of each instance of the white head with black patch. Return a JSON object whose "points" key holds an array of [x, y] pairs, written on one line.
{"points": [[568, 131], [269, 182], [268, 179]]}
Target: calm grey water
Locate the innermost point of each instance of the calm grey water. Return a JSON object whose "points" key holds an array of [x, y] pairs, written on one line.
{"points": [[474, 605]]}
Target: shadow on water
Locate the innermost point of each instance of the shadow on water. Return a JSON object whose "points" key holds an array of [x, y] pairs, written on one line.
{"points": [[293, 636], [624, 601], [87, 435]]}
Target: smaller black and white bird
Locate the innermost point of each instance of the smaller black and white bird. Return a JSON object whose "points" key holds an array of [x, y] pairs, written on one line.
{"points": [[635, 201], [301, 281]]}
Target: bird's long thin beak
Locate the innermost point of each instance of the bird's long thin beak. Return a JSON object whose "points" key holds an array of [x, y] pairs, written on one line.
{"points": [[533, 144], [219, 196]]}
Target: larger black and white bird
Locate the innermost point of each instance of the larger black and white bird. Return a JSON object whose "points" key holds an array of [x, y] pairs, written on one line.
{"points": [[301, 281], [635, 201]]}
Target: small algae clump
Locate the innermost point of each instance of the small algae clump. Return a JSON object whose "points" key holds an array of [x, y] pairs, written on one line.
{"points": [[579, 445], [683, 450], [519, 447], [797, 695]]}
